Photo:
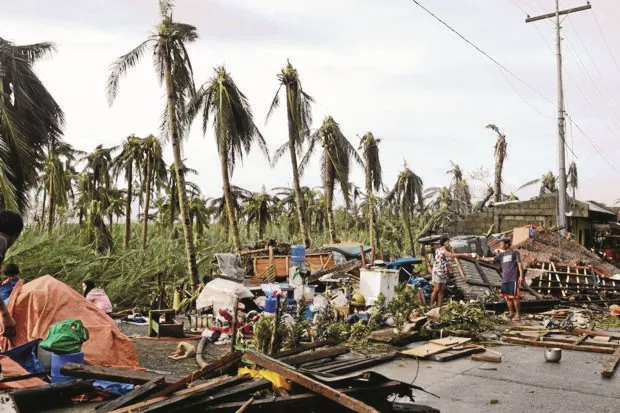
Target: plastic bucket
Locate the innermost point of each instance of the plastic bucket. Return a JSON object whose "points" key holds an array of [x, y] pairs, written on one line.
{"points": [[59, 360], [298, 255], [309, 292]]}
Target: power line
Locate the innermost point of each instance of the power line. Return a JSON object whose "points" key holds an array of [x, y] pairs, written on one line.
{"points": [[416, 2], [606, 43]]}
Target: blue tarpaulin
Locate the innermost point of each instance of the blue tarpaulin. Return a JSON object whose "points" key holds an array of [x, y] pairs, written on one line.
{"points": [[25, 356], [117, 389], [396, 264], [6, 289]]}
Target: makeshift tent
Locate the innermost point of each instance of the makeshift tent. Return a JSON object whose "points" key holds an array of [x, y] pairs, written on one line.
{"points": [[37, 305]]}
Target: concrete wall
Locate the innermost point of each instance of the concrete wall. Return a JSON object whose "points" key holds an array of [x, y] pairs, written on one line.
{"points": [[508, 216]]}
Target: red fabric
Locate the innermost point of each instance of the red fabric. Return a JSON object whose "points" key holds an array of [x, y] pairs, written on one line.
{"points": [[12, 369], [37, 305]]}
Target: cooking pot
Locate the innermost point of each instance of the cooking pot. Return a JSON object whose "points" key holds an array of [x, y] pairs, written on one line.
{"points": [[553, 354]]}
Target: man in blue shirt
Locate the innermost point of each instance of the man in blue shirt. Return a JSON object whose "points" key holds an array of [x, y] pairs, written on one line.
{"points": [[512, 276]]}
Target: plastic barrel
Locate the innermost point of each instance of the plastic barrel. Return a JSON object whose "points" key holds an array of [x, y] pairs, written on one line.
{"points": [[298, 255], [59, 360]]}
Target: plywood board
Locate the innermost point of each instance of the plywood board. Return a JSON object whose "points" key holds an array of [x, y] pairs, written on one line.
{"points": [[426, 350], [448, 341], [453, 354]]}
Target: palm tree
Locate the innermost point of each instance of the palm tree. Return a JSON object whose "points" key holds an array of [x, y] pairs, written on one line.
{"points": [[173, 189], [154, 173], [336, 157], [406, 194], [221, 101], [372, 164], [258, 210], [299, 115], [501, 148], [58, 175], [99, 162], [548, 184], [199, 214], [129, 161], [238, 196], [174, 69], [30, 119], [459, 190], [573, 179]]}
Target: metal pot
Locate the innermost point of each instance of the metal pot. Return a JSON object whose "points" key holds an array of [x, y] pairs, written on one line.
{"points": [[553, 354]]}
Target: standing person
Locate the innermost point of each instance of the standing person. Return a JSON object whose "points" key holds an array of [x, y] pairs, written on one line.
{"points": [[96, 296], [512, 276], [441, 269], [11, 226]]}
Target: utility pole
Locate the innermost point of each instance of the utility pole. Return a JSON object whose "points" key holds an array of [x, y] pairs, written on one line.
{"points": [[561, 119]]}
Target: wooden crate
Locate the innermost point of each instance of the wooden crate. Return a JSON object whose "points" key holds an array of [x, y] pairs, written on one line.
{"points": [[282, 264]]}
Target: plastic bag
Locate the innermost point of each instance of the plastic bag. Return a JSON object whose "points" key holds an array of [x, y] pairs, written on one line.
{"points": [[65, 337]]}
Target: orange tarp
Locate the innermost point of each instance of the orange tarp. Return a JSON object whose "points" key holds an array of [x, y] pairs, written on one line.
{"points": [[12, 369], [37, 305]]}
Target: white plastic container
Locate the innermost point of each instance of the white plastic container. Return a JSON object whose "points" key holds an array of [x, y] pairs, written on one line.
{"points": [[309, 292], [296, 282], [378, 281]]}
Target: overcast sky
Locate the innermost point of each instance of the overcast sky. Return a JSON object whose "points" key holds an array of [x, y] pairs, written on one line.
{"points": [[381, 66]]}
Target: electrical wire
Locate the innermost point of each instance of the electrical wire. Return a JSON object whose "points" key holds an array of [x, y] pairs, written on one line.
{"points": [[590, 140], [606, 43]]}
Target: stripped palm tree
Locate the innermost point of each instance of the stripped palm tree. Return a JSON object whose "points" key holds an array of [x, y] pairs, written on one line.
{"points": [[459, 190], [238, 196], [406, 195], [55, 178], [258, 210], [221, 101], [336, 159], [154, 175], [30, 120], [501, 151], [372, 164], [174, 69], [129, 161], [299, 115]]}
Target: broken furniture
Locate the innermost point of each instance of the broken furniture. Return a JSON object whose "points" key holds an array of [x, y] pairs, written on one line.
{"points": [[168, 328]]}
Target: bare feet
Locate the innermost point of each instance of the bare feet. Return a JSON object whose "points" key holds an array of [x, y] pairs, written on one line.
{"points": [[510, 315], [517, 318]]}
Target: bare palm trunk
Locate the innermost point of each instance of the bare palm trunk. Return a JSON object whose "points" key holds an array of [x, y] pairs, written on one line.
{"points": [[111, 220], [43, 211], [329, 195], [147, 200], [176, 150], [81, 217], [50, 219], [407, 222], [499, 165], [299, 200], [128, 207], [232, 222], [371, 207], [172, 203]]}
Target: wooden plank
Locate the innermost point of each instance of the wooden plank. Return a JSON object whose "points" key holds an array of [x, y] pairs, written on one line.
{"points": [[565, 346], [596, 333], [199, 404], [609, 367], [164, 403], [426, 350], [448, 341], [311, 384], [209, 368], [53, 395], [305, 347], [357, 365], [110, 374], [281, 404], [134, 396], [460, 268], [453, 354], [489, 357], [314, 355]]}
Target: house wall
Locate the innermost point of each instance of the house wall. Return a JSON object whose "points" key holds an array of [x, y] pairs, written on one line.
{"points": [[505, 217], [582, 228]]}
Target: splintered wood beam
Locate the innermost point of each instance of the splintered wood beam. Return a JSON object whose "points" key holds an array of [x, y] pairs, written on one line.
{"points": [[565, 346], [610, 364], [134, 396], [288, 373], [209, 368], [305, 347], [109, 374], [324, 353]]}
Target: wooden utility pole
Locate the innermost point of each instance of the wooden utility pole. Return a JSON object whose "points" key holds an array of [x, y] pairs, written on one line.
{"points": [[561, 119]]}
